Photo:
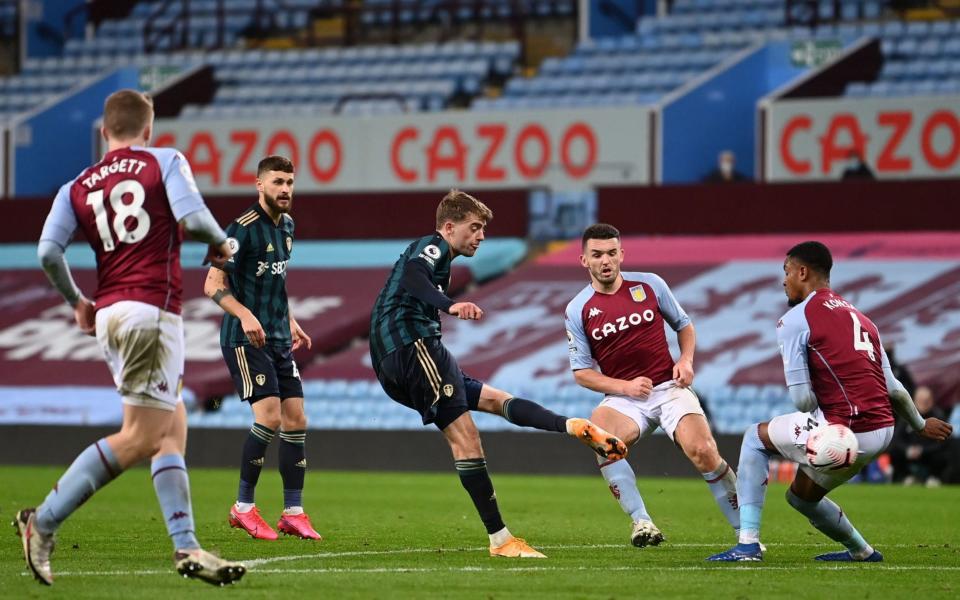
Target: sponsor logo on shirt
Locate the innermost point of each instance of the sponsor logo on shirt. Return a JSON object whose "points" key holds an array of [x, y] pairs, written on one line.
{"points": [[621, 324], [275, 268], [594, 311]]}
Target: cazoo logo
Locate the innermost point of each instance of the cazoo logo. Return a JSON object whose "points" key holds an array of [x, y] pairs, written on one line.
{"points": [[622, 324], [275, 268]]}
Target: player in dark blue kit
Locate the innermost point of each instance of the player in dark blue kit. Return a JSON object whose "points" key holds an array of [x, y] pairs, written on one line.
{"points": [[416, 370], [258, 337]]}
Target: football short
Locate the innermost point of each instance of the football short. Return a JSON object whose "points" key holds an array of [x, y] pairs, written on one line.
{"points": [[664, 407], [789, 435], [144, 348], [424, 376], [266, 372]]}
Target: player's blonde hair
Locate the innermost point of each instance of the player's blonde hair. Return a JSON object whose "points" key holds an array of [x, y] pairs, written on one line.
{"points": [[457, 207], [127, 113]]}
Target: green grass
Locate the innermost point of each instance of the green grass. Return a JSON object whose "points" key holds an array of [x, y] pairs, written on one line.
{"points": [[417, 536]]}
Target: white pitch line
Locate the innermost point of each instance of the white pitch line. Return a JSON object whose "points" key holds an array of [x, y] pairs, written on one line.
{"points": [[251, 564], [474, 569], [718, 547]]}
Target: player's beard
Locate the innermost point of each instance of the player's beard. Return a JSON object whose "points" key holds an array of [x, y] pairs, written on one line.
{"points": [[598, 275], [274, 206]]}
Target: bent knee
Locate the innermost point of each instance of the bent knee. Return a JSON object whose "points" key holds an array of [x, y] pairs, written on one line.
{"points": [[704, 455]]}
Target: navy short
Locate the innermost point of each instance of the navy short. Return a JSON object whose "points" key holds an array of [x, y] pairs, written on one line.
{"points": [[263, 372], [424, 376]]}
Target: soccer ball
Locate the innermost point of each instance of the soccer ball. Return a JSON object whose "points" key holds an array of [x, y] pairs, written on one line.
{"points": [[832, 447]]}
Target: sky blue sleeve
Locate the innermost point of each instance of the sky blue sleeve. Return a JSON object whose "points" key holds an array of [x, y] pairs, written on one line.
{"points": [[61, 222], [793, 333], [577, 343], [671, 310], [178, 180]]}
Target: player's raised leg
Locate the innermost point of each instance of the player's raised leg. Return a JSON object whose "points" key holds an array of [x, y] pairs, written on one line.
{"points": [[527, 413], [622, 480], [693, 436], [755, 452], [464, 440], [293, 469], [244, 514]]}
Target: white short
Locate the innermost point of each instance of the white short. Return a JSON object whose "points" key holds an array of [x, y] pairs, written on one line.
{"points": [[789, 434], [665, 406], [144, 349]]}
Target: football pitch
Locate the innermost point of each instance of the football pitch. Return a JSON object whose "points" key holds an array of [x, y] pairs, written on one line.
{"points": [[412, 535]]}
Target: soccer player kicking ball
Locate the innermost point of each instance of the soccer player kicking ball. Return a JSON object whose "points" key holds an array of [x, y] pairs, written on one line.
{"points": [[836, 372], [130, 206], [616, 323], [416, 370], [258, 336]]}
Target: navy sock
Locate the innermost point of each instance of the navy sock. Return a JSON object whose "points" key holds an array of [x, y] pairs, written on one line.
{"points": [[476, 480], [293, 466], [527, 413], [252, 461]]}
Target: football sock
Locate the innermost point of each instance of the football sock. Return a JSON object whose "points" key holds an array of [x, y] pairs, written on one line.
{"points": [[527, 413], [623, 484], [723, 485], [293, 466], [172, 485], [500, 538], [476, 480], [252, 461], [752, 484], [93, 468], [828, 517]]}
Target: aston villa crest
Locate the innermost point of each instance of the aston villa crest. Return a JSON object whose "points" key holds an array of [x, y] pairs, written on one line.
{"points": [[637, 293]]}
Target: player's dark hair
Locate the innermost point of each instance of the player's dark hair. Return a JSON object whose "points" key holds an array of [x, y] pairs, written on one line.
{"points": [[274, 163], [814, 255], [126, 113], [457, 206], [599, 231]]}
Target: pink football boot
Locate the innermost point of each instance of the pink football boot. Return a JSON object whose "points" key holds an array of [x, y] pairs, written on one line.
{"points": [[252, 523], [298, 525]]}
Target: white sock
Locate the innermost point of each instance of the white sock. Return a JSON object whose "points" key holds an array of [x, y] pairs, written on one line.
{"points": [[623, 484], [244, 507], [723, 485], [293, 510], [500, 538]]}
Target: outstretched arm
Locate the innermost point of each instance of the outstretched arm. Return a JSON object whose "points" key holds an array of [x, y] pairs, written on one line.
{"points": [[417, 282]]}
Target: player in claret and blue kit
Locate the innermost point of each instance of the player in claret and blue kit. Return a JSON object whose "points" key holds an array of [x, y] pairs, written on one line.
{"points": [[130, 206], [837, 372], [615, 329]]}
